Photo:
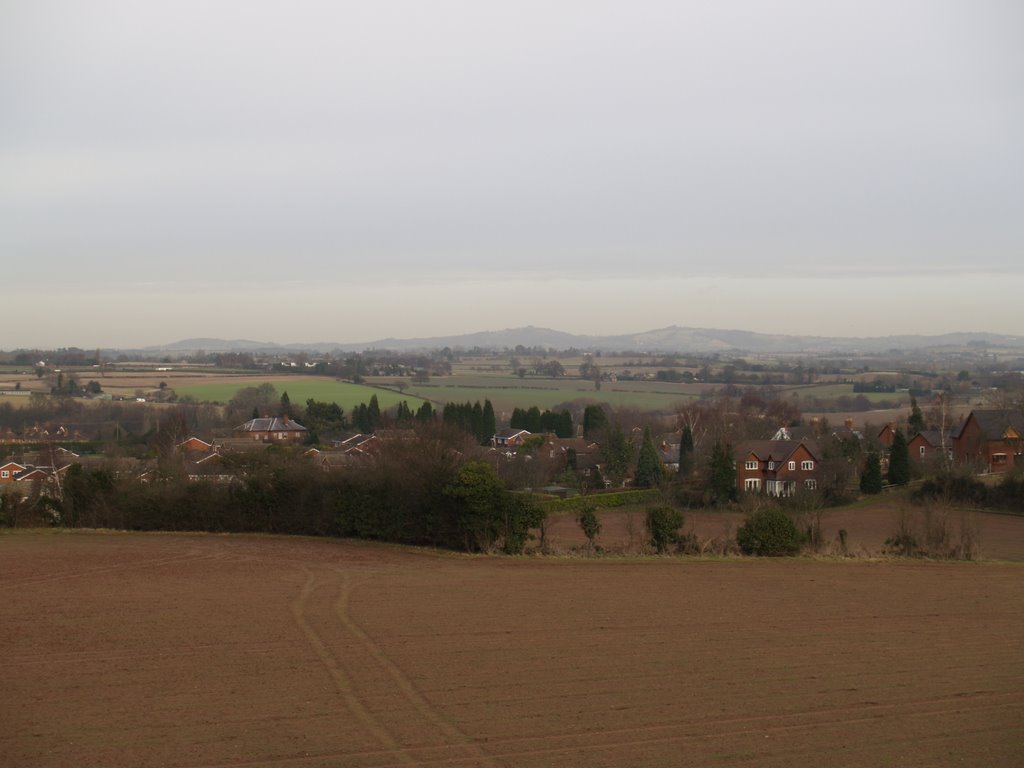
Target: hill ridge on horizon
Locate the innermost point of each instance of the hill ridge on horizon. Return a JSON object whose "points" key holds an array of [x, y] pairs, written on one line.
{"points": [[669, 339]]}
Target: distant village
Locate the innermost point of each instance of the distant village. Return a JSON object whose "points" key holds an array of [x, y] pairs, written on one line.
{"points": [[793, 460]]}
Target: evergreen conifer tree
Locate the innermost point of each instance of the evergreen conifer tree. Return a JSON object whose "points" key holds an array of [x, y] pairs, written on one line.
{"points": [[617, 454], [533, 420], [425, 413], [476, 422], [490, 423], [594, 421], [871, 477], [373, 413], [915, 423], [899, 460], [518, 420], [722, 474], [361, 416], [648, 464], [686, 452], [563, 427]]}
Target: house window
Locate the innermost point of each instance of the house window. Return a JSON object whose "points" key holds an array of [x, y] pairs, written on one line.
{"points": [[751, 465], [771, 465], [807, 465], [998, 458], [752, 484], [810, 484], [792, 465], [921, 450], [5, 474]]}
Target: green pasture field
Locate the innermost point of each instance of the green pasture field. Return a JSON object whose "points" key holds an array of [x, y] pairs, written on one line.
{"points": [[505, 391], [300, 390], [832, 391], [608, 363], [508, 392]]}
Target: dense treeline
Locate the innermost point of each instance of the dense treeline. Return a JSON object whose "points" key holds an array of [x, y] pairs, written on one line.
{"points": [[533, 420], [873, 386], [474, 418], [421, 492], [1007, 494]]}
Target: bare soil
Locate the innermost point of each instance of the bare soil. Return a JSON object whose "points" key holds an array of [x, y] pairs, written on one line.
{"points": [[200, 650]]}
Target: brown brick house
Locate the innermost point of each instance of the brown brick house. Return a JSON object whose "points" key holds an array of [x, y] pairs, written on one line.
{"points": [[509, 437], [926, 446], [777, 467], [887, 434], [991, 439], [10, 470], [195, 445], [274, 429]]}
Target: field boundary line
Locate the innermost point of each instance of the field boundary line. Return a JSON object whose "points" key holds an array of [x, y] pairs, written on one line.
{"points": [[105, 569]]}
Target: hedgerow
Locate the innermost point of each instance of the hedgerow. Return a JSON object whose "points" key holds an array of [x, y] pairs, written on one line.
{"points": [[602, 500]]}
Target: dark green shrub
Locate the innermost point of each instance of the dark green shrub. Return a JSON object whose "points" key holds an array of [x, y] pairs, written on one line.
{"points": [[520, 515], [768, 533], [589, 523], [958, 488], [1009, 493], [663, 524]]}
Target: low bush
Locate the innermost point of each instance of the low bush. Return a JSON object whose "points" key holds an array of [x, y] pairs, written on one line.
{"points": [[1009, 493], [935, 530], [768, 533], [953, 487], [589, 524], [967, 490], [663, 526]]}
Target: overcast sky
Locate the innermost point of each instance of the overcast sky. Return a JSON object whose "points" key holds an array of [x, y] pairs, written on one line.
{"points": [[347, 171]]}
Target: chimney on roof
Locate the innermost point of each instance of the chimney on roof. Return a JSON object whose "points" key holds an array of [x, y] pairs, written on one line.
{"points": [[285, 419], [849, 423]]}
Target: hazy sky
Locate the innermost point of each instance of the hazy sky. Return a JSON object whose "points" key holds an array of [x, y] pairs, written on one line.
{"points": [[347, 171]]}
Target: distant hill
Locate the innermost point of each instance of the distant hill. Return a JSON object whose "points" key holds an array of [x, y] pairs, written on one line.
{"points": [[217, 345], [673, 339]]}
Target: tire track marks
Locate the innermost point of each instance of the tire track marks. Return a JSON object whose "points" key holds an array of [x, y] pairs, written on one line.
{"points": [[405, 686], [338, 674]]}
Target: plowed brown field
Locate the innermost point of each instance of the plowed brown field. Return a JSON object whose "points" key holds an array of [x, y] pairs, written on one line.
{"points": [[178, 650]]}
